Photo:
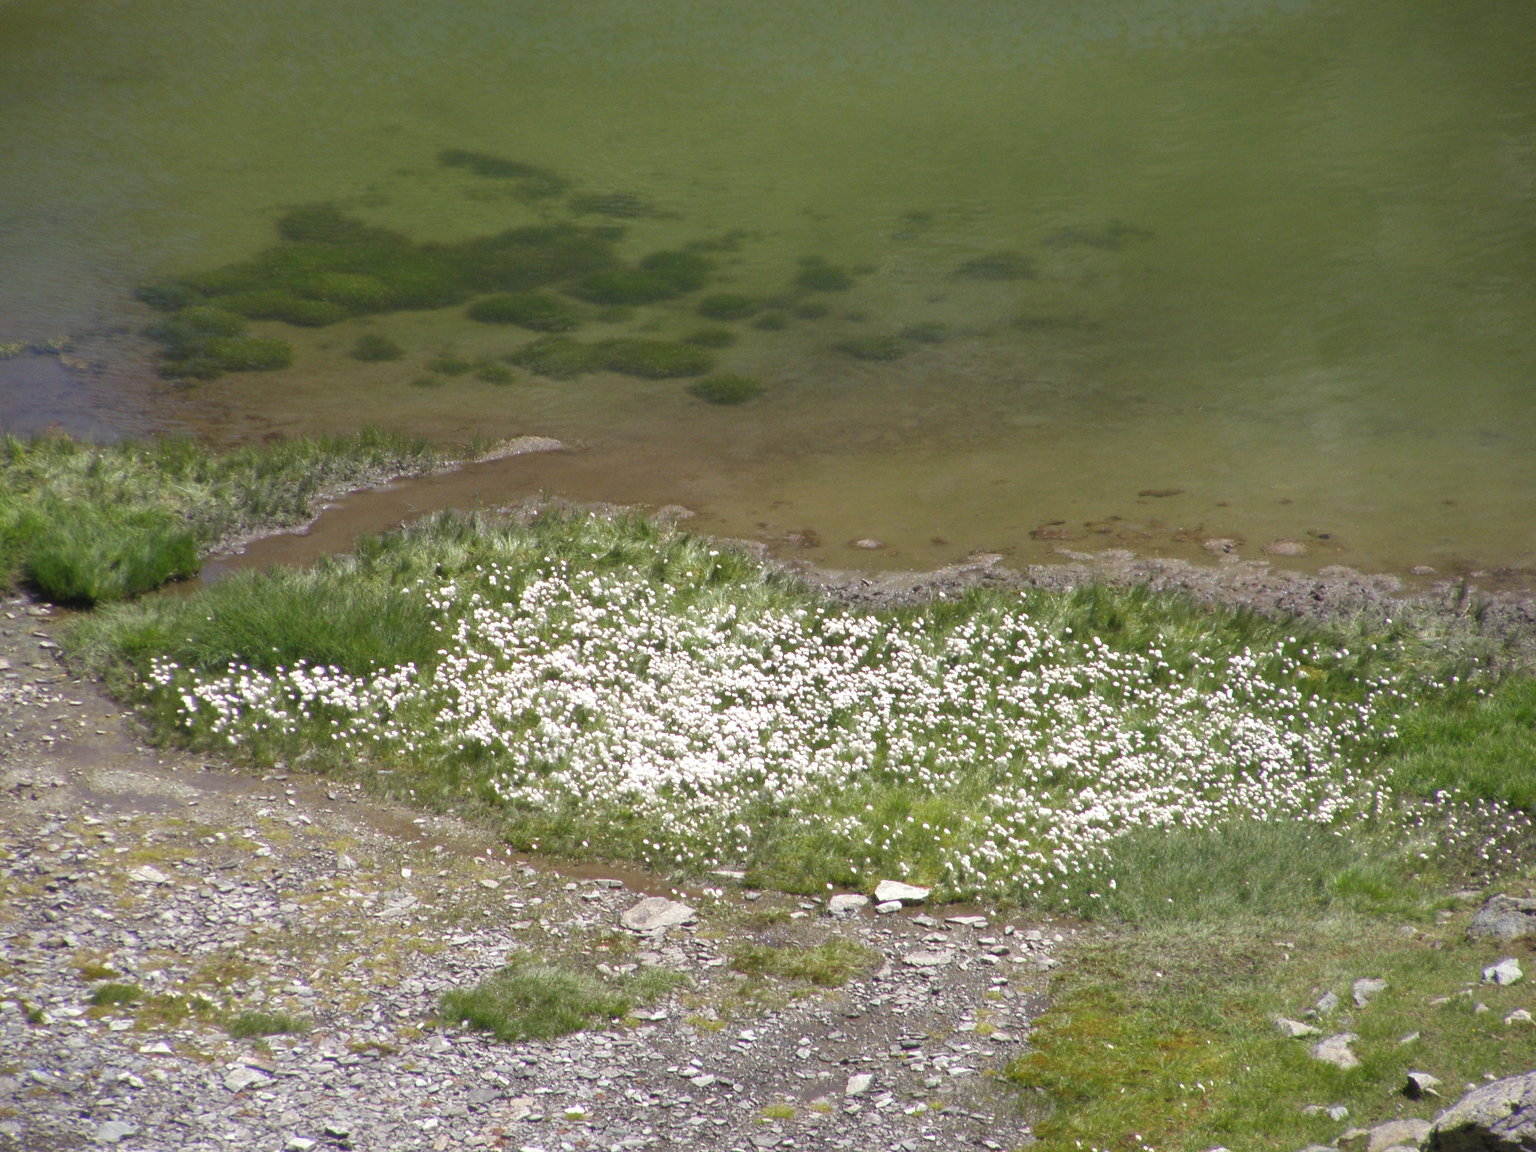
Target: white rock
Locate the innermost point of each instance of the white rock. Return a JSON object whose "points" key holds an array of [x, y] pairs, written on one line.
{"points": [[929, 957], [239, 1078], [888, 890], [157, 1048], [1506, 971], [114, 1131], [977, 922], [846, 904], [1295, 1029], [858, 1085], [886, 907], [1520, 1016], [1365, 989], [148, 875], [300, 1144], [656, 912], [1336, 1051], [1419, 1085]]}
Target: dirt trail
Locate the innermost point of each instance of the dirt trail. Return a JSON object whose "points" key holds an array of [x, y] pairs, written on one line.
{"points": [[211, 893]]}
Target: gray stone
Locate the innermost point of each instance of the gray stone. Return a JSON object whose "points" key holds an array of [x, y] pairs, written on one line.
{"points": [[1497, 1117], [858, 1085], [1364, 990], [1504, 919], [1392, 1134], [656, 912], [241, 1077], [148, 875], [846, 904], [886, 907], [114, 1131], [1295, 1029], [1336, 1050], [1420, 1085], [929, 957], [888, 890], [1326, 1003], [1505, 972]]}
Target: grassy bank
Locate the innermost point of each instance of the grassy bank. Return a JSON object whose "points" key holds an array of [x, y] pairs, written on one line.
{"points": [[609, 688], [1255, 811], [82, 524]]}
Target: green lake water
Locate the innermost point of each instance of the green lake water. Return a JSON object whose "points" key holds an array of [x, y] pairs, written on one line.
{"points": [[1273, 263]]}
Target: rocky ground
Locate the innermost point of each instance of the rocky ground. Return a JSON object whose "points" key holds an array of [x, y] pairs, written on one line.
{"points": [[214, 893]]}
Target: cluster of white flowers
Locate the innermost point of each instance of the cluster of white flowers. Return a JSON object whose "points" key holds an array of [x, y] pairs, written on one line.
{"points": [[989, 756]]}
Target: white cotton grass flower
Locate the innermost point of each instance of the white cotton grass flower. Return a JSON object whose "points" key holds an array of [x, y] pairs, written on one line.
{"points": [[594, 692]]}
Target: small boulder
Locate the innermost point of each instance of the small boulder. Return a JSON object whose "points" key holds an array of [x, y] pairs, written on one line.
{"points": [[1336, 1050], [1497, 1117], [1420, 1085], [1504, 919], [1326, 1004], [1295, 1029], [1364, 990], [846, 904], [656, 912], [888, 890], [1392, 1134], [929, 957], [858, 1085], [1505, 972]]}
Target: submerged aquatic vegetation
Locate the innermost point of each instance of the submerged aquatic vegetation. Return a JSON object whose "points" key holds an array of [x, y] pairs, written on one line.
{"points": [[539, 311], [202, 342], [532, 181], [328, 266], [653, 359], [373, 347], [816, 275], [927, 332], [562, 358], [874, 347], [726, 389], [1042, 747], [1006, 265], [728, 306], [711, 337]]}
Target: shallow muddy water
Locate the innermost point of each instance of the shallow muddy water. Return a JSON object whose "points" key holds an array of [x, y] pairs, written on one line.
{"points": [[1168, 271]]}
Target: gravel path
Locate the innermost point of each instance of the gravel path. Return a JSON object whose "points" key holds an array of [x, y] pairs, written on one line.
{"points": [[214, 892]]}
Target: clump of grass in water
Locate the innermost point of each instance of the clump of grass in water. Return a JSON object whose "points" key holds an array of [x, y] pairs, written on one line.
{"points": [[533, 999], [879, 347], [728, 306], [817, 275], [562, 358], [726, 389], [328, 266], [539, 311], [1006, 265], [711, 338], [373, 347]]}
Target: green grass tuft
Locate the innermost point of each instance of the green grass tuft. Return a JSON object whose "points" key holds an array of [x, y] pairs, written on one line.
{"points": [[830, 964], [252, 1024], [533, 999]]}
